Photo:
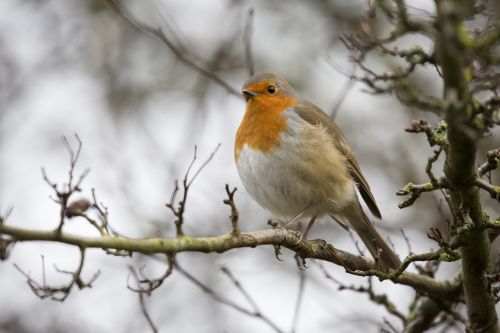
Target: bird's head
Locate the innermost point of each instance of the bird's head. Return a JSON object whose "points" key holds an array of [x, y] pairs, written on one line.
{"points": [[268, 89]]}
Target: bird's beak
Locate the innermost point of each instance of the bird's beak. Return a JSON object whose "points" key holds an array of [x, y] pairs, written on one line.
{"points": [[248, 93]]}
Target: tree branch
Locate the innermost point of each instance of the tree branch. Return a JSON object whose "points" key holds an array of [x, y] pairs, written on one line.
{"points": [[278, 236], [254, 312], [158, 33], [460, 165]]}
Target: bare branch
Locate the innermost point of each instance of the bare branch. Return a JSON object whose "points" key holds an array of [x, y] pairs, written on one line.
{"points": [[247, 40], [5, 215], [255, 312], [381, 299], [63, 194], [212, 154], [158, 33], [59, 293], [241, 289], [146, 285], [186, 184], [6, 243], [298, 303], [142, 302], [234, 211], [354, 264], [6, 246], [341, 96]]}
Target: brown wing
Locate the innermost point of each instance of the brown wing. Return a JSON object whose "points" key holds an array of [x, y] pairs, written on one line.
{"points": [[314, 115]]}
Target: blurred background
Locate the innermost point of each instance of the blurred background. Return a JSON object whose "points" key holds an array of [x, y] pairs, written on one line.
{"points": [[78, 67]]}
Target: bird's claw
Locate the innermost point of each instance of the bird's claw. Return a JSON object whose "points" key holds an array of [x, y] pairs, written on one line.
{"points": [[277, 252], [276, 224], [300, 262]]}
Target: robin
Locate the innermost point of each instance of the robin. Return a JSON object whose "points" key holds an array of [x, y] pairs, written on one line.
{"points": [[296, 163]]}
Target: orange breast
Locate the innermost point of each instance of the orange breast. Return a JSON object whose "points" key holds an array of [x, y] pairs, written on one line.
{"points": [[263, 123]]}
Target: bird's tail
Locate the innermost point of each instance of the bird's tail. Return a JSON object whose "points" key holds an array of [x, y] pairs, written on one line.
{"points": [[378, 248]]}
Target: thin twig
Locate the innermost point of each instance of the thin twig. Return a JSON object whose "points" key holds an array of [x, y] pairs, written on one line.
{"points": [[212, 154], [158, 33], [186, 184], [142, 302], [251, 313], [341, 96], [5, 215], [59, 293], [240, 287], [247, 39], [381, 299], [298, 303], [234, 211], [147, 285], [65, 192]]}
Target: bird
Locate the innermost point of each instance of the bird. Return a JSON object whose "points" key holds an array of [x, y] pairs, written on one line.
{"points": [[295, 162]]}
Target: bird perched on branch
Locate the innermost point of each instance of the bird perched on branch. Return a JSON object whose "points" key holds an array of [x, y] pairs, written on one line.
{"points": [[295, 162]]}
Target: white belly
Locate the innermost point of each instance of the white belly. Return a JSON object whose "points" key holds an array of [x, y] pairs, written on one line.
{"points": [[305, 169]]}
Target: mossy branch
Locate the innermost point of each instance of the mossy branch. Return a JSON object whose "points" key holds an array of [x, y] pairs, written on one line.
{"points": [[276, 237]]}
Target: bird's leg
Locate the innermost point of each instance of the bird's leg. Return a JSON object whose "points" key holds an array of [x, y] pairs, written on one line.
{"points": [[297, 217], [309, 226]]}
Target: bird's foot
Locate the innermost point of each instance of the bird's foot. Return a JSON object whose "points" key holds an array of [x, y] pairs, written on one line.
{"points": [[277, 252], [300, 262]]}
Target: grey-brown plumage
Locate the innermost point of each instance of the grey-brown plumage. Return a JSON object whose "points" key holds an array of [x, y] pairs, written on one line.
{"points": [[314, 115], [356, 217]]}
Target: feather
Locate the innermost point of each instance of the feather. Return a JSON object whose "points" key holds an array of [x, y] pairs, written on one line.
{"points": [[314, 115]]}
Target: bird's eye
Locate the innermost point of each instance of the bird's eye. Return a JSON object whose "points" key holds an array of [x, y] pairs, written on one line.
{"points": [[271, 89]]}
